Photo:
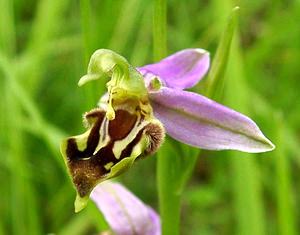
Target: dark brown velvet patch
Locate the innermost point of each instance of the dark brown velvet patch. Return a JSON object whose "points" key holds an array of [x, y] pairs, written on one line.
{"points": [[85, 174], [123, 123]]}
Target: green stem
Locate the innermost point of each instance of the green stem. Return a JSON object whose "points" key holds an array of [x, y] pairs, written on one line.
{"points": [[285, 210], [160, 29], [169, 197]]}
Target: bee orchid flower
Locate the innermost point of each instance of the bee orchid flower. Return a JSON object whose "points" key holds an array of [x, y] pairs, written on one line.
{"points": [[139, 106]]}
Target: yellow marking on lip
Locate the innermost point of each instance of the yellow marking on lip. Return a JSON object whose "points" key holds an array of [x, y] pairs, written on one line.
{"points": [[107, 166], [81, 140]]}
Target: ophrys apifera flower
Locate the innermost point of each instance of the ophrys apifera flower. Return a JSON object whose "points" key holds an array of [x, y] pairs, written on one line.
{"points": [[140, 104]]}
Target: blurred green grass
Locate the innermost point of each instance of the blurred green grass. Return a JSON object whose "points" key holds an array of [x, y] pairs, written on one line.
{"points": [[44, 50]]}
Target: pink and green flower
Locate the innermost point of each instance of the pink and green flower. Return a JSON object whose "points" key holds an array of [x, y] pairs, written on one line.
{"points": [[140, 105]]}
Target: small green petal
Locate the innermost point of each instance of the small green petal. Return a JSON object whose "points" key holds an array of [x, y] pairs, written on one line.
{"points": [[125, 83], [80, 203], [155, 84]]}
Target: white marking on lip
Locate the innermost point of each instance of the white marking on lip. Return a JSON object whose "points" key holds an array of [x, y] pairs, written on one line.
{"points": [[119, 144]]}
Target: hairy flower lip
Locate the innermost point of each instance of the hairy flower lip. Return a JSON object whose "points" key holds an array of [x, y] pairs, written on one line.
{"points": [[108, 148]]}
